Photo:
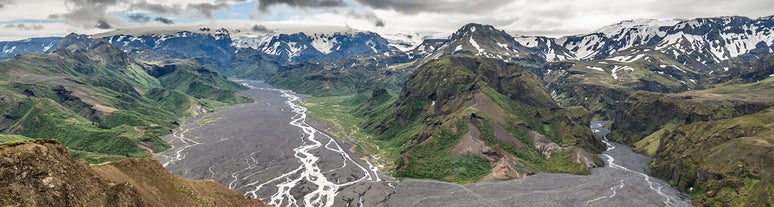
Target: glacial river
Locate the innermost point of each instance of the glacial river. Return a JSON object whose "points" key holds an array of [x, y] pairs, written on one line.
{"points": [[267, 150]]}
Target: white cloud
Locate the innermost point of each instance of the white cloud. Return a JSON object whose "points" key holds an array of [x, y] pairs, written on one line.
{"points": [[530, 17], [51, 29], [31, 10]]}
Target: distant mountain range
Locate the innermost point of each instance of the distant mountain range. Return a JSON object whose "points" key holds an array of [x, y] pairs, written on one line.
{"points": [[514, 96], [703, 43], [13, 48], [699, 43], [652, 55]]}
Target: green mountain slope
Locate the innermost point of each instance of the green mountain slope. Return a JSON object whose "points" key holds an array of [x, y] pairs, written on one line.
{"points": [[345, 77], [464, 119], [715, 144], [103, 104], [602, 85]]}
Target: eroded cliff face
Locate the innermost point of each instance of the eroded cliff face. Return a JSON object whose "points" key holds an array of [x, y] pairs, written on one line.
{"points": [[41, 173], [726, 162], [716, 144]]}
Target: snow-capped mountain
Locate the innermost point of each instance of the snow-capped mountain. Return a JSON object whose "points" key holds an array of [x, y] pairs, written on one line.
{"points": [[406, 41], [475, 39], [216, 45], [699, 43], [646, 25], [282, 48], [301, 47], [10, 49]]}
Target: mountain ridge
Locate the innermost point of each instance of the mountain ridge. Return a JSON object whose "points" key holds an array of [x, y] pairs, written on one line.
{"points": [[479, 112], [41, 173]]}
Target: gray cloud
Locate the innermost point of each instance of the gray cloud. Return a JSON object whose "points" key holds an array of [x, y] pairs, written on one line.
{"points": [[85, 12], [263, 5], [139, 18], [366, 15], [694, 9], [25, 26], [155, 8], [102, 24], [5, 2], [261, 29], [163, 20], [439, 6], [545, 17], [205, 9]]}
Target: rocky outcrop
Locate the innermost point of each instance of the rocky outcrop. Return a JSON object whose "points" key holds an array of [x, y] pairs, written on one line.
{"points": [[41, 173], [648, 112], [715, 144], [724, 162]]}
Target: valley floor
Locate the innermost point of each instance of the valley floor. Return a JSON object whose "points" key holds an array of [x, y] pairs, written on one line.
{"points": [[623, 184], [267, 150]]}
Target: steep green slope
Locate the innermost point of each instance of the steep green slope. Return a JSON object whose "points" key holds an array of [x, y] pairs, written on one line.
{"points": [[248, 63], [602, 85], [345, 77], [101, 103], [195, 80], [715, 144], [464, 119]]}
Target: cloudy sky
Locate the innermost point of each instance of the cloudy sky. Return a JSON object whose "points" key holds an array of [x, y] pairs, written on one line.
{"points": [[33, 18]]}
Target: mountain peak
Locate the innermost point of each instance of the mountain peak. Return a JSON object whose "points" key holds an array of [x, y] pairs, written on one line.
{"points": [[75, 41], [473, 27], [616, 28]]}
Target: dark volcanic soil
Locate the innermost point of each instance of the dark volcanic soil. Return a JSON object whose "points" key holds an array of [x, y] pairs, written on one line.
{"points": [[266, 150]]}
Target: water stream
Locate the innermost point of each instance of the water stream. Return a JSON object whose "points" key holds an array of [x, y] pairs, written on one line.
{"points": [[267, 150]]}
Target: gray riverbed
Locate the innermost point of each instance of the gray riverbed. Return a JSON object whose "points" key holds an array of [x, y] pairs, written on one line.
{"points": [[267, 150]]}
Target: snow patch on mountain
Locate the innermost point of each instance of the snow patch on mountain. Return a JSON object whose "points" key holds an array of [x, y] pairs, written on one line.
{"points": [[404, 41], [647, 24], [323, 44], [6, 49], [527, 41], [617, 68], [475, 44], [626, 59], [254, 42], [595, 68]]}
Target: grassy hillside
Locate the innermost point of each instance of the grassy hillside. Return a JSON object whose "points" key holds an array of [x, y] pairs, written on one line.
{"points": [[102, 104], [602, 85], [715, 144], [345, 77], [41, 173], [464, 119]]}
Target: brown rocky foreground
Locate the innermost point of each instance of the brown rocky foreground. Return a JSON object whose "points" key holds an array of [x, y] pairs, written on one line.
{"points": [[41, 173]]}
